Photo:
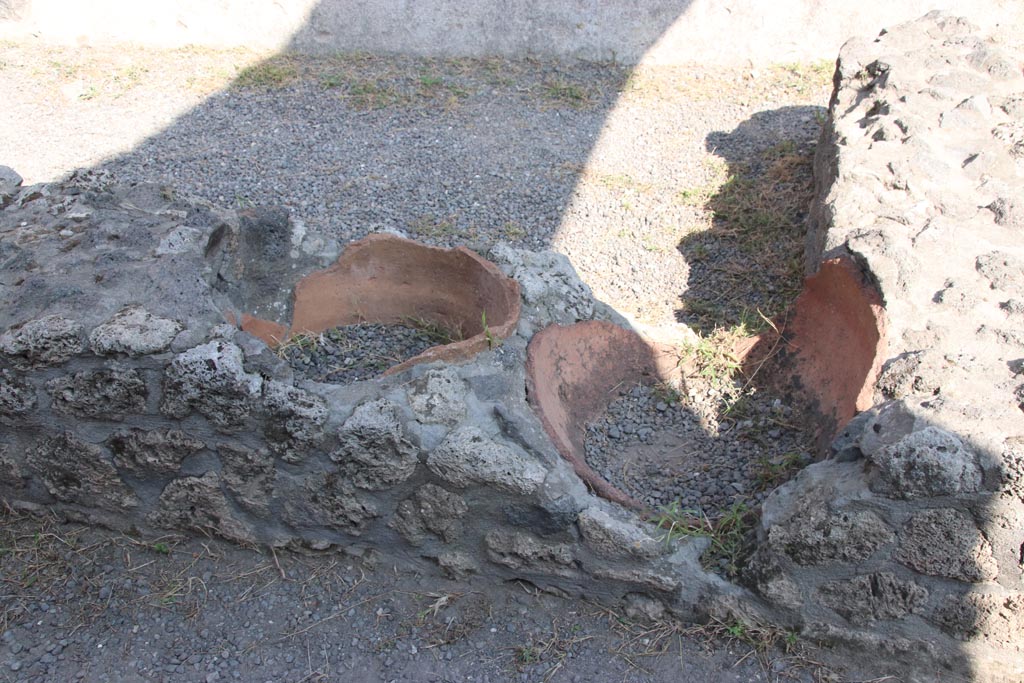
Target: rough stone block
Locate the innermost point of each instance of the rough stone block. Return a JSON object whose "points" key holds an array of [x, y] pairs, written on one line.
{"points": [[373, 452], [1011, 467], [871, 597], [210, 379], [438, 397], [430, 510], [296, 420], [610, 537], [50, 340], [457, 565], [10, 471], [10, 181], [926, 463], [133, 331], [328, 500], [467, 456], [74, 471], [1003, 270], [249, 476], [997, 615], [946, 543], [522, 551], [822, 536], [198, 504], [17, 397], [765, 573], [104, 394], [546, 517], [550, 285], [157, 452]]}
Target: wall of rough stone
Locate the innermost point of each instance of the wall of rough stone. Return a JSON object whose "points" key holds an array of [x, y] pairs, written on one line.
{"points": [[909, 538], [127, 401], [737, 32]]}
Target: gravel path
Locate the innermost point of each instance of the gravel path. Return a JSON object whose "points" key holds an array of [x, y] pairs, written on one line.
{"points": [[619, 170], [614, 168]]}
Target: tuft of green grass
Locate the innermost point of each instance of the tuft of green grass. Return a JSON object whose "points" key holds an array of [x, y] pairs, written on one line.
{"points": [[492, 341], [668, 393], [728, 534], [438, 333], [562, 93], [272, 73], [304, 341], [774, 471], [434, 226], [512, 230], [366, 94], [714, 360]]}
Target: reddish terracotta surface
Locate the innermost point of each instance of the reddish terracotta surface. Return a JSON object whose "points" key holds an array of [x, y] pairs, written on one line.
{"points": [[388, 279], [270, 332], [574, 372], [832, 345]]}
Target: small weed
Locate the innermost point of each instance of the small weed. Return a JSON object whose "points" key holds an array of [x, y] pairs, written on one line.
{"points": [[304, 341], [431, 81], [737, 630], [622, 181], [492, 341], [667, 393], [433, 226], [513, 231], [332, 80], [563, 93], [551, 651], [365, 94], [267, 74], [699, 252], [713, 359], [439, 333], [161, 548], [728, 534], [775, 471]]}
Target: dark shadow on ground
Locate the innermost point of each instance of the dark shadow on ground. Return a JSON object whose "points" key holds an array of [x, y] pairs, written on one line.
{"points": [[446, 150], [749, 266]]}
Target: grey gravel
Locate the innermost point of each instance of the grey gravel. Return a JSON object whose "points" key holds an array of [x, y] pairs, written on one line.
{"points": [[353, 353], [693, 452]]}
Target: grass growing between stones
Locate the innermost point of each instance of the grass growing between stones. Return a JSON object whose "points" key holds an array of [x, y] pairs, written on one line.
{"points": [[729, 534]]}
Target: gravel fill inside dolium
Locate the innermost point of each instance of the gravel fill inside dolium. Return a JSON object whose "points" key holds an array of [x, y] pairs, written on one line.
{"points": [[352, 353], [666, 451]]}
